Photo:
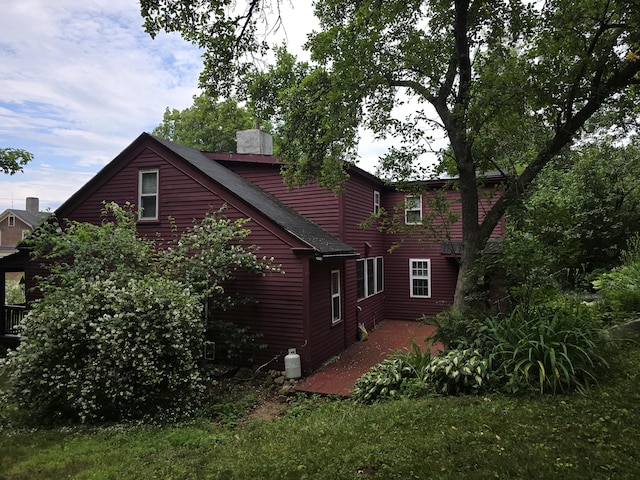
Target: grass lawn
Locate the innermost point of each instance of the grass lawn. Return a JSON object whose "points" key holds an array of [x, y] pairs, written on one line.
{"points": [[590, 436]]}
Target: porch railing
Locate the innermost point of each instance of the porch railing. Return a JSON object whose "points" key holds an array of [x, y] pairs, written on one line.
{"points": [[13, 315]]}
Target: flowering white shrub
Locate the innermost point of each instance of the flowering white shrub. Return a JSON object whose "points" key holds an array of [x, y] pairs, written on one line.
{"points": [[119, 331], [108, 349]]}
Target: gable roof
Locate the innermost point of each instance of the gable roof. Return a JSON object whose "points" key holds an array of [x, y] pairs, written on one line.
{"points": [[33, 219], [325, 244]]}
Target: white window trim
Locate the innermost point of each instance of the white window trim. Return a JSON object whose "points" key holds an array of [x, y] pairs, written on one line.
{"points": [[376, 201], [416, 277], [407, 210], [141, 173], [25, 233], [336, 318], [376, 288], [11, 220]]}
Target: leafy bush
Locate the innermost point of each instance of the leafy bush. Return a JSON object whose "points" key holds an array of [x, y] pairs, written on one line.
{"points": [[620, 288], [101, 349], [458, 371], [119, 331], [547, 349], [457, 331]]}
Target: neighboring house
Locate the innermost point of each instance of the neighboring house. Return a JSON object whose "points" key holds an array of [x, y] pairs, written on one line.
{"points": [[337, 274], [16, 224]]}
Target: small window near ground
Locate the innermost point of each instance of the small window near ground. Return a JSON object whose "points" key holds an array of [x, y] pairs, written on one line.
{"points": [[336, 313], [413, 210], [148, 189], [420, 277]]}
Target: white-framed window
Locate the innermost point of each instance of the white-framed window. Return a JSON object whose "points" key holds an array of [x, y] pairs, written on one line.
{"points": [[420, 277], [25, 233], [413, 209], [11, 221], [369, 276], [376, 201], [148, 195], [336, 300]]}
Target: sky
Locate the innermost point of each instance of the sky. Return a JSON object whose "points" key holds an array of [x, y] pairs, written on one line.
{"points": [[80, 80]]}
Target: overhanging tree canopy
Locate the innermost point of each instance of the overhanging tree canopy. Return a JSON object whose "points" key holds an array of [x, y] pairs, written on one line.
{"points": [[510, 83]]}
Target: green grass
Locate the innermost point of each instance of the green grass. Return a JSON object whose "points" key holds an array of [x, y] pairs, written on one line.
{"points": [[581, 436]]}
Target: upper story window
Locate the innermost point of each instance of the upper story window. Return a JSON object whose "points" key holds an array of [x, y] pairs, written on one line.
{"points": [[11, 221], [148, 195], [376, 201], [420, 277], [413, 209]]}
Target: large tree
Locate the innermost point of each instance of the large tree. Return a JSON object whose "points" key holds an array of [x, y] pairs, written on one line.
{"points": [[206, 125], [511, 84]]}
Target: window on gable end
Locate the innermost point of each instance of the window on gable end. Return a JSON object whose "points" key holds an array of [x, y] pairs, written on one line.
{"points": [[148, 195], [413, 210], [11, 221]]}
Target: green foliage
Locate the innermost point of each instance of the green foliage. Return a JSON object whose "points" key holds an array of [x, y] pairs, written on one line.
{"points": [[458, 371], [108, 349], [234, 344], [400, 375], [14, 291], [12, 160], [550, 349], [576, 220], [120, 331], [206, 125], [620, 288]]}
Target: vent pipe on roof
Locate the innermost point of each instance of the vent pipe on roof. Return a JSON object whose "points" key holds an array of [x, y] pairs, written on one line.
{"points": [[255, 141], [33, 204]]}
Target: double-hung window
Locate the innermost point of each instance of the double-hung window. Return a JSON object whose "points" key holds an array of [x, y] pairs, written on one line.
{"points": [[413, 210], [376, 201], [11, 221], [420, 277], [148, 193], [369, 276], [336, 309]]}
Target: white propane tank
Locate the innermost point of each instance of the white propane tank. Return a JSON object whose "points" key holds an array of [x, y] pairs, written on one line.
{"points": [[292, 364]]}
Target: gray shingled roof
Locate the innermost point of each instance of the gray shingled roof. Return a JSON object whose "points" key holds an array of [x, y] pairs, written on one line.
{"points": [[325, 244], [34, 219]]}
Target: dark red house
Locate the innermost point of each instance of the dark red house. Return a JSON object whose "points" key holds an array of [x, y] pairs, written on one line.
{"points": [[337, 274]]}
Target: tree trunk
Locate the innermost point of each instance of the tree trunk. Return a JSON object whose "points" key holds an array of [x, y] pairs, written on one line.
{"points": [[471, 241]]}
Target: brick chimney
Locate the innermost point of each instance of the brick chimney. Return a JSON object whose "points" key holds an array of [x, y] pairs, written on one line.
{"points": [[254, 141], [33, 204]]}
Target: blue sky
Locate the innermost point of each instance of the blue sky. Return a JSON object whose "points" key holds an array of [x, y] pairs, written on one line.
{"points": [[80, 80]]}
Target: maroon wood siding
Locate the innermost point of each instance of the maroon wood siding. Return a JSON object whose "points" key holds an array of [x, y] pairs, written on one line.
{"points": [[318, 204]]}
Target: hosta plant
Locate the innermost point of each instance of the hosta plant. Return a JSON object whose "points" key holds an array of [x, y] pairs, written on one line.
{"points": [[458, 371], [399, 375]]}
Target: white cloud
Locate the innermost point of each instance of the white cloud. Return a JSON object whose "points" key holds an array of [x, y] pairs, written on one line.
{"points": [[79, 81]]}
